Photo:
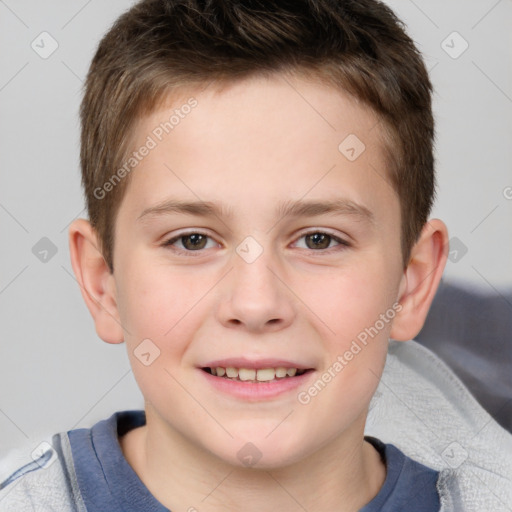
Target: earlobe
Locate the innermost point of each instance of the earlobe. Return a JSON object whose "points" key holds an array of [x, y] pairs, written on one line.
{"points": [[96, 282], [420, 280]]}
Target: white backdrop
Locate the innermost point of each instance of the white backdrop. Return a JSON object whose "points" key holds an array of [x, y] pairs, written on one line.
{"points": [[55, 373]]}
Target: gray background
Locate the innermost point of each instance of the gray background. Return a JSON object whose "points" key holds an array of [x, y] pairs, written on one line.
{"points": [[55, 373]]}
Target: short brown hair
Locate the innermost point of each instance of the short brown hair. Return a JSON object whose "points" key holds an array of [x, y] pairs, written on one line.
{"points": [[158, 46]]}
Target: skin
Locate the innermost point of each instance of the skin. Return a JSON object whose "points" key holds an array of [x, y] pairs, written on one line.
{"points": [[249, 146]]}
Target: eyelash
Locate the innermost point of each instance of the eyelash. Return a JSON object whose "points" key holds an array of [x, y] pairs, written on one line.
{"points": [[343, 243]]}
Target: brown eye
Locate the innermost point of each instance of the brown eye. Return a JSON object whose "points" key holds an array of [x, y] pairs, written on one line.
{"points": [[197, 241], [188, 243], [318, 240], [322, 242]]}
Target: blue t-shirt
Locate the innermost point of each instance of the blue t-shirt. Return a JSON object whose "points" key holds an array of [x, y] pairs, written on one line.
{"points": [[107, 481]]}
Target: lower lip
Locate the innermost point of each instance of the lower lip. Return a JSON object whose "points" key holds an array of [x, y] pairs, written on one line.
{"points": [[255, 391]]}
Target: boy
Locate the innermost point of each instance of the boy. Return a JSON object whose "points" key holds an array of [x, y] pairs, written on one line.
{"points": [[258, 178]]}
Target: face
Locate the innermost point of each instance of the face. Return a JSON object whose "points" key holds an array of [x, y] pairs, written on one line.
{"points": [[266, 276]]}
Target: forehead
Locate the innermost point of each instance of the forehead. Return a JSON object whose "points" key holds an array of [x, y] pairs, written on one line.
{"points": [[259, 141]]}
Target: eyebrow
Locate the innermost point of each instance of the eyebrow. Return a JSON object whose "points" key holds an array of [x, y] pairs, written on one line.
{"points": [[297, 208]]}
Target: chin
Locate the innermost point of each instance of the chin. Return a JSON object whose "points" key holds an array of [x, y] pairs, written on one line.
{"points": [[261, 453]]}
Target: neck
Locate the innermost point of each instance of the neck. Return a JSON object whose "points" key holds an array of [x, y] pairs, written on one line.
{"points": [[342, 476]]}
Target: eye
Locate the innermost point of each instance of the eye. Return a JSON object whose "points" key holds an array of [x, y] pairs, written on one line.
{"points": [[321, 240], [192, 242], [195, 241]]}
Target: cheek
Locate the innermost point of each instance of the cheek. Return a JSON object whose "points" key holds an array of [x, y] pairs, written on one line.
{"points": [[355, 312], [151, 309], [156, 299], [358, 305], [348, 301], [162, 305], [355, 343], [158, 306]]}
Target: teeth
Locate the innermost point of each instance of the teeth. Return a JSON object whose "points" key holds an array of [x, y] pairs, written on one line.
{"points": [[266, 374], [280, 372], [255, 375], [245, 374], [232, 372]]}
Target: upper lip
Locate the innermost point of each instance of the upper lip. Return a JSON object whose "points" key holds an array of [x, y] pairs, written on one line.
{"points": [[242, 362]]}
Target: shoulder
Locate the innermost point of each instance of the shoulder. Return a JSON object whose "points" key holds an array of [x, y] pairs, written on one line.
{"points": [[409, 485], [79, 470], [39, 480], [424, 409]]}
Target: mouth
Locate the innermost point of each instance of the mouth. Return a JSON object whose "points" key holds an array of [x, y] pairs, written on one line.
{"points": [[256, 375], [256, 380]]}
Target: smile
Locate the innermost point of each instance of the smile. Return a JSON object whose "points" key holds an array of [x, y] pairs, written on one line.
{"points": [[255, 384], [254, 375]]}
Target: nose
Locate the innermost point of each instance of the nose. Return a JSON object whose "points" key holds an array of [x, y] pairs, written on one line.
{"points": [[255, 296]]}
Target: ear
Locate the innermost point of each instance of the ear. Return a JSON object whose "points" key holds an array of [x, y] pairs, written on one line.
{"points": [[420, 280], [96, 282]]}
